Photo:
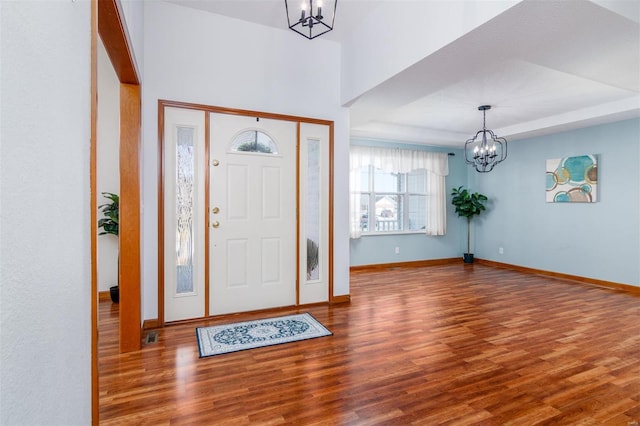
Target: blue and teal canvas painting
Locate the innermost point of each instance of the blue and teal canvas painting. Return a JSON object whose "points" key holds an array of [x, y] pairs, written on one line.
{"points": [[572, 179]]}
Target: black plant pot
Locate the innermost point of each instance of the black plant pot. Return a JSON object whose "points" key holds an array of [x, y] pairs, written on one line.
{"points": [[115, 293], [468, 258]]}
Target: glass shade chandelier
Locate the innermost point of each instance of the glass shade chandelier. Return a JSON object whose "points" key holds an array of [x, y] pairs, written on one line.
{"points": [[485, 149], [311, 19]]}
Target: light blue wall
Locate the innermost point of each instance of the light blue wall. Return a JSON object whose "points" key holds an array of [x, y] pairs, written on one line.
{"points": [[599, 240], [379, 249]]}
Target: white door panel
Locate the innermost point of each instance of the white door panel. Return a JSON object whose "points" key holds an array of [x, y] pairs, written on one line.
{"points": [[253, 249]]}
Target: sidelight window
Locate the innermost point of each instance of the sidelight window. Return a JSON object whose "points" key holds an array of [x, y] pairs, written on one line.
{"points": [[185, 169]]}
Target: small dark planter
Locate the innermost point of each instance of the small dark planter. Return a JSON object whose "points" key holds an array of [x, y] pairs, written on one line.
{"points": [[468, 258], [115, 293]]}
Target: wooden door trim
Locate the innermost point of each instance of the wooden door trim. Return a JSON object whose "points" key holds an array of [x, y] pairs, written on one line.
{"points": [[162, 104], [107, 22], [161, 167], [332, 298], [247, 112]]}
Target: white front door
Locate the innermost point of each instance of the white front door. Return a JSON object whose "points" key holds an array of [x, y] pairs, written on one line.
{"points": [[252, 214]]}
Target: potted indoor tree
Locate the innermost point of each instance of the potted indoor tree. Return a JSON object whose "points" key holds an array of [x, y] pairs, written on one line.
{"points": [[110, 225], [467, 205]]}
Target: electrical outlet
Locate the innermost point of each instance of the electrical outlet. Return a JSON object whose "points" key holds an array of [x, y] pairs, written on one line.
{"points": [[501, 250], [397, 250]]}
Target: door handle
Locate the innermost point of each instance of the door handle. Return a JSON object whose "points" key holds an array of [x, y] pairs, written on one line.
{"points": [[215, 224]]}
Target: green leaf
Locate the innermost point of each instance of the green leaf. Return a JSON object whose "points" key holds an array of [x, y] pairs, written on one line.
{"points": [[467, 204], [111, 211]]}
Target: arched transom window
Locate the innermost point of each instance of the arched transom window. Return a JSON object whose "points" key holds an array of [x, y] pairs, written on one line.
{"points": [[254, 141]]}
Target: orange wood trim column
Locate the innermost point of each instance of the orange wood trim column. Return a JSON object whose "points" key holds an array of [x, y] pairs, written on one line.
{"points": [[129, 279], [113, 32], [93, 156]]}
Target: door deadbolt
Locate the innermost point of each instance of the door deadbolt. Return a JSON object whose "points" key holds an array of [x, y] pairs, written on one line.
{"points": [[215, 210], [215, 224], [215, 163]]}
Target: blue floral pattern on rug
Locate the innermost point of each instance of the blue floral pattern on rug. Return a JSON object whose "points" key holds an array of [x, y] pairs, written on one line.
{"points": [[260, 332], [226, 338]]}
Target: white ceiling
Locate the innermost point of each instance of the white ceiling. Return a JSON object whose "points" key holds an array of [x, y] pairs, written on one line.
{"points": [[544, 66]]}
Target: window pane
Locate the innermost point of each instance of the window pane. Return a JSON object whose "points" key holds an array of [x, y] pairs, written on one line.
{"points": [[396, 202], [389, 213], [254, 141], [364, 178], [387, 182], [185, 168], [417, 212], [417, 181], [313, 210], [364, 207]]}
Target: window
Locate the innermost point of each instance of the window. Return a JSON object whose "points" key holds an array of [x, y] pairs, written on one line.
{"points": [[254, 141], [396, 190], [392, 202], [185, 170]]}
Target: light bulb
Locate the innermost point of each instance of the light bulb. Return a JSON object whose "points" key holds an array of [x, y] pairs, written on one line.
{"points": [[303, 10]]}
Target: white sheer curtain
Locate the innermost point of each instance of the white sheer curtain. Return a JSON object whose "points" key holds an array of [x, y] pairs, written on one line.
{"points": [[394, 160]]}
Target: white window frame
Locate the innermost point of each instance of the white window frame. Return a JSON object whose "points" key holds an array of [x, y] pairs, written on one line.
{"points": [[404, 195], [397, 160]]}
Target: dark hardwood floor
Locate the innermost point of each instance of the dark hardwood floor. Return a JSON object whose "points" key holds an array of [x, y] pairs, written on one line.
{"points": [[449, 344]]}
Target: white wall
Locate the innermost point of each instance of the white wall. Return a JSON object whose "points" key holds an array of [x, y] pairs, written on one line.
{"points": [[403, 36], [192, 56], [45, 276], [108, 162]]}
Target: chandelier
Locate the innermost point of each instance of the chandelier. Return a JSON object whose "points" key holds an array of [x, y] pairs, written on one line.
{"points": [[485, 149], [311, 19]]}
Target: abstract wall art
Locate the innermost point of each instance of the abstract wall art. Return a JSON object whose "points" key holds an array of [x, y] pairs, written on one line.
{"points": [[572, 179]]}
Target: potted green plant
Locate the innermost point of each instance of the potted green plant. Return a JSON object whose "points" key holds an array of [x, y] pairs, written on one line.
{"points": [[467, 205], [110, 225]]}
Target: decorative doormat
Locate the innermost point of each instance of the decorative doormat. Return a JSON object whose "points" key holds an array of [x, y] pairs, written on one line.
{"points": [[239, 336]]}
